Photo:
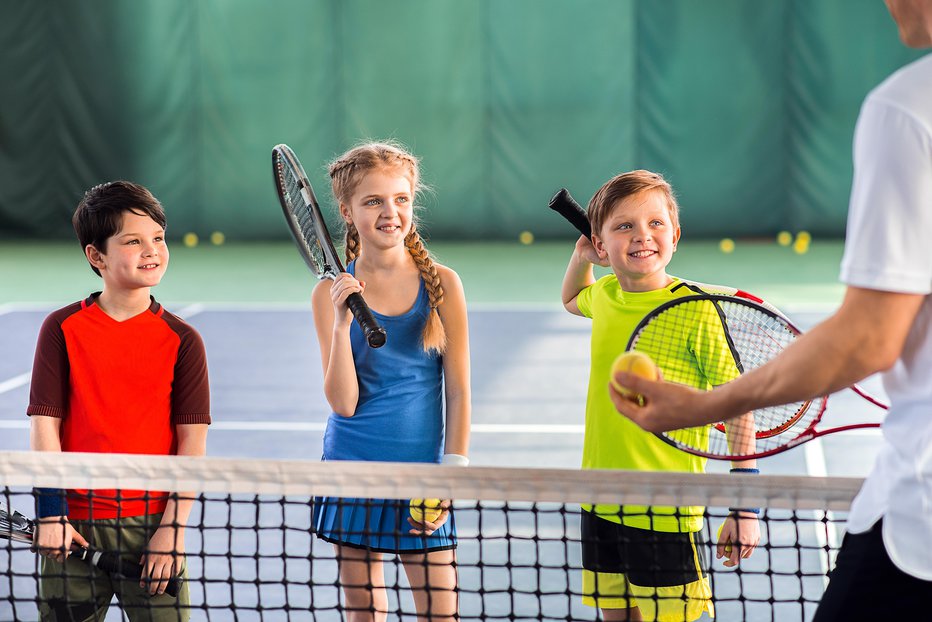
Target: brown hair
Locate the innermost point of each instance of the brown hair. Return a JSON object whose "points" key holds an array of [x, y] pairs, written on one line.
{"points": [[99, 215], [346, 173], [625, 185]]}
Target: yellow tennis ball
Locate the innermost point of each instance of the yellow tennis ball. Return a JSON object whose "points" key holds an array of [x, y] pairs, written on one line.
{"points": [[784, 238], [727, 544], [189, 240], [727, 245], [801, 246], [526, 237], [425, 510], [217, 238], [803, 236], [637, 363]]}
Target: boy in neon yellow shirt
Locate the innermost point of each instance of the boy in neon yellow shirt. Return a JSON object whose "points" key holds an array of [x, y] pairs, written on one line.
{"points": [[640, 561]]}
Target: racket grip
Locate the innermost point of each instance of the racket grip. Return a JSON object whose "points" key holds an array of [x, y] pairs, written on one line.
{"points": [[565, 205], [111, 563], [375, 334]]}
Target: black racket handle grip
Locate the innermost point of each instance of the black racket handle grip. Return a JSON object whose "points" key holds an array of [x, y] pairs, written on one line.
{"points": [[111, 563], [565, 205], [375, 334]]}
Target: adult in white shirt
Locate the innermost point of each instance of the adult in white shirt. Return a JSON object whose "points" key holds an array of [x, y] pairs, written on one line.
{"points": [[884, 569]]}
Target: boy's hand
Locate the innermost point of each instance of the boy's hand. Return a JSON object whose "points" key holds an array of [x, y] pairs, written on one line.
{"points": [[54, 536], [341, 288], [738, 537], [586, 252], [162, 559]]}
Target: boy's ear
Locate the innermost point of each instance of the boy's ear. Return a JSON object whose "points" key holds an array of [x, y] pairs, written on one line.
{"points": [[676, 237], [94, 257], [599, 247]]}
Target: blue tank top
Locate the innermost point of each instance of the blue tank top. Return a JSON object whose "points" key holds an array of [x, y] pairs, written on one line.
{"points": [[399, 416]]}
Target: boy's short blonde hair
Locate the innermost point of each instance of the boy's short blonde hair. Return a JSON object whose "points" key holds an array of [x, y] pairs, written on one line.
{"points": [[623, 186]]}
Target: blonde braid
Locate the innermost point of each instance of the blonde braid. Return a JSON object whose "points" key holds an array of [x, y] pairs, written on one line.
{"points": [[434, 336], [351, 242]]}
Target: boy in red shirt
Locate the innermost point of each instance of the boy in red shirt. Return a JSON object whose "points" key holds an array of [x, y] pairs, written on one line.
{"points": [[116, 373]]}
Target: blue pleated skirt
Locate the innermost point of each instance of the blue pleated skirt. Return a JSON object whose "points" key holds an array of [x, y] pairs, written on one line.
{"points": [[379, 525]]}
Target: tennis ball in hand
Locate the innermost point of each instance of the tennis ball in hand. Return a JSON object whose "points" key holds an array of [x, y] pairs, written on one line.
{"points": [[727, 544], [636, 363], [425, 510]]}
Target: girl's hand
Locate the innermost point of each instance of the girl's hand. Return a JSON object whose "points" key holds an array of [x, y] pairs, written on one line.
{"points": [[341, 288], [426, 528], [586, 252]]}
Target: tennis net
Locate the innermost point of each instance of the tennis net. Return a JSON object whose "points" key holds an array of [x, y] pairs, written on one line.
{"points": [[251, 553]]}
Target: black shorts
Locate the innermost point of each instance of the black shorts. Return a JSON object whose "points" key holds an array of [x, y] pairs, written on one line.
{"points": [[866, 585], [647, 558]]}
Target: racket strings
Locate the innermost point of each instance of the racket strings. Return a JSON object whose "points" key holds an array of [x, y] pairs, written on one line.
{"points": [[301, 217], [707, 341]]}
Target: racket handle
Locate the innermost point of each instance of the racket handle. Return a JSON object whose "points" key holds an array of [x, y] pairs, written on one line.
{"points": [[375, 334], [111, 563], [565, 205]]}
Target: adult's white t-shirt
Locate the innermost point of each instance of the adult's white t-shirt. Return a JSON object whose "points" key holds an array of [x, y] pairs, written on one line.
{"points": [[889, 248]]}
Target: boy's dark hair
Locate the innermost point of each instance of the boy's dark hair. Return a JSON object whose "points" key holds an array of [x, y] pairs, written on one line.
{"points": [[99, 215], [623, 186]]}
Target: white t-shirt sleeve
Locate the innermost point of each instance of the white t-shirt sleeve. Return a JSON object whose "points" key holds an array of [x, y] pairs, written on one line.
{"points": [[889, 237]]}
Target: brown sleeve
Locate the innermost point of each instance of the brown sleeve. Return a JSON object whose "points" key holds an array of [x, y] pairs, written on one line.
{"points": [[48, 393], [190, 386]]}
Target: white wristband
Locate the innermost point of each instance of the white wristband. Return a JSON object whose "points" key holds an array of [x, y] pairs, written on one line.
{"points": [[455, 460]]}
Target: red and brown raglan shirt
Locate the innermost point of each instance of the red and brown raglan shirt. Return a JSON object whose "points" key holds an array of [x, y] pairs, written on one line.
{"points": [[118, 387]]}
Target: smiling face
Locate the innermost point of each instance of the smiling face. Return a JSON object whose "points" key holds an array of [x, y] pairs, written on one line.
{"points": [[134, 257], [639, 237], [381, 208]]}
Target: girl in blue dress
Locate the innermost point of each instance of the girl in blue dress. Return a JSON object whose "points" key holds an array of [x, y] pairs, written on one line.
{"points": [[388, 403]]}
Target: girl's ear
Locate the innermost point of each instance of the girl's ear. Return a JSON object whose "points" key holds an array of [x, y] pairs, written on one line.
{"points": [[345, 214]]}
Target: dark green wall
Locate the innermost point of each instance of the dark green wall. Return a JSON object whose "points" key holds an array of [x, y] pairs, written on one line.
{"points": [[748, 107]]}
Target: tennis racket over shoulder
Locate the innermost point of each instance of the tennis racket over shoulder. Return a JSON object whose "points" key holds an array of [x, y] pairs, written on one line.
{"points": [[18, 528], [713, 338], [307, 225]]}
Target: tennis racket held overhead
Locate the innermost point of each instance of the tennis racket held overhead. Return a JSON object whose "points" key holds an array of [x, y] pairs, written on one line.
{"points": [[307, 225], [18, 528], [565, 205], [705, 340]]}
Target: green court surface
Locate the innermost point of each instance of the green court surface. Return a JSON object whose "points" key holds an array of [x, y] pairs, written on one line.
{"points": [[493, 273]]}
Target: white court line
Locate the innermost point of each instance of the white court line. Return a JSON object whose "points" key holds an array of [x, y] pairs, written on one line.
{"points": [[15, 382]]}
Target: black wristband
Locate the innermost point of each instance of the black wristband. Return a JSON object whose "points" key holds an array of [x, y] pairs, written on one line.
{"points": [[751, 471]]}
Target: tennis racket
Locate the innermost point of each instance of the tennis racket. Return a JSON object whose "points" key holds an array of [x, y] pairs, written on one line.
{"points": [[307, 225], [16, 527], [689, 336]]}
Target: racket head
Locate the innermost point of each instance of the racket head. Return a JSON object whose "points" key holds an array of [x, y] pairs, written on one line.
{"points": [[303, 215], [15, 526], [706, 340]]}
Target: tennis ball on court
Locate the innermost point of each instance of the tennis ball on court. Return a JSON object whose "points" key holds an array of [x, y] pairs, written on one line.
{"points": [[425, 510], [727, 245], [217, 238], [803, 236], [801, 246], [636, 363], [719, 535], [189, 240], [526, 238], [784, 238]]}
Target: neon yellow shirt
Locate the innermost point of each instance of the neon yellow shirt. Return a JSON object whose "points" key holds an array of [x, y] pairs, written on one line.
{"points": [[613, 441]]}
